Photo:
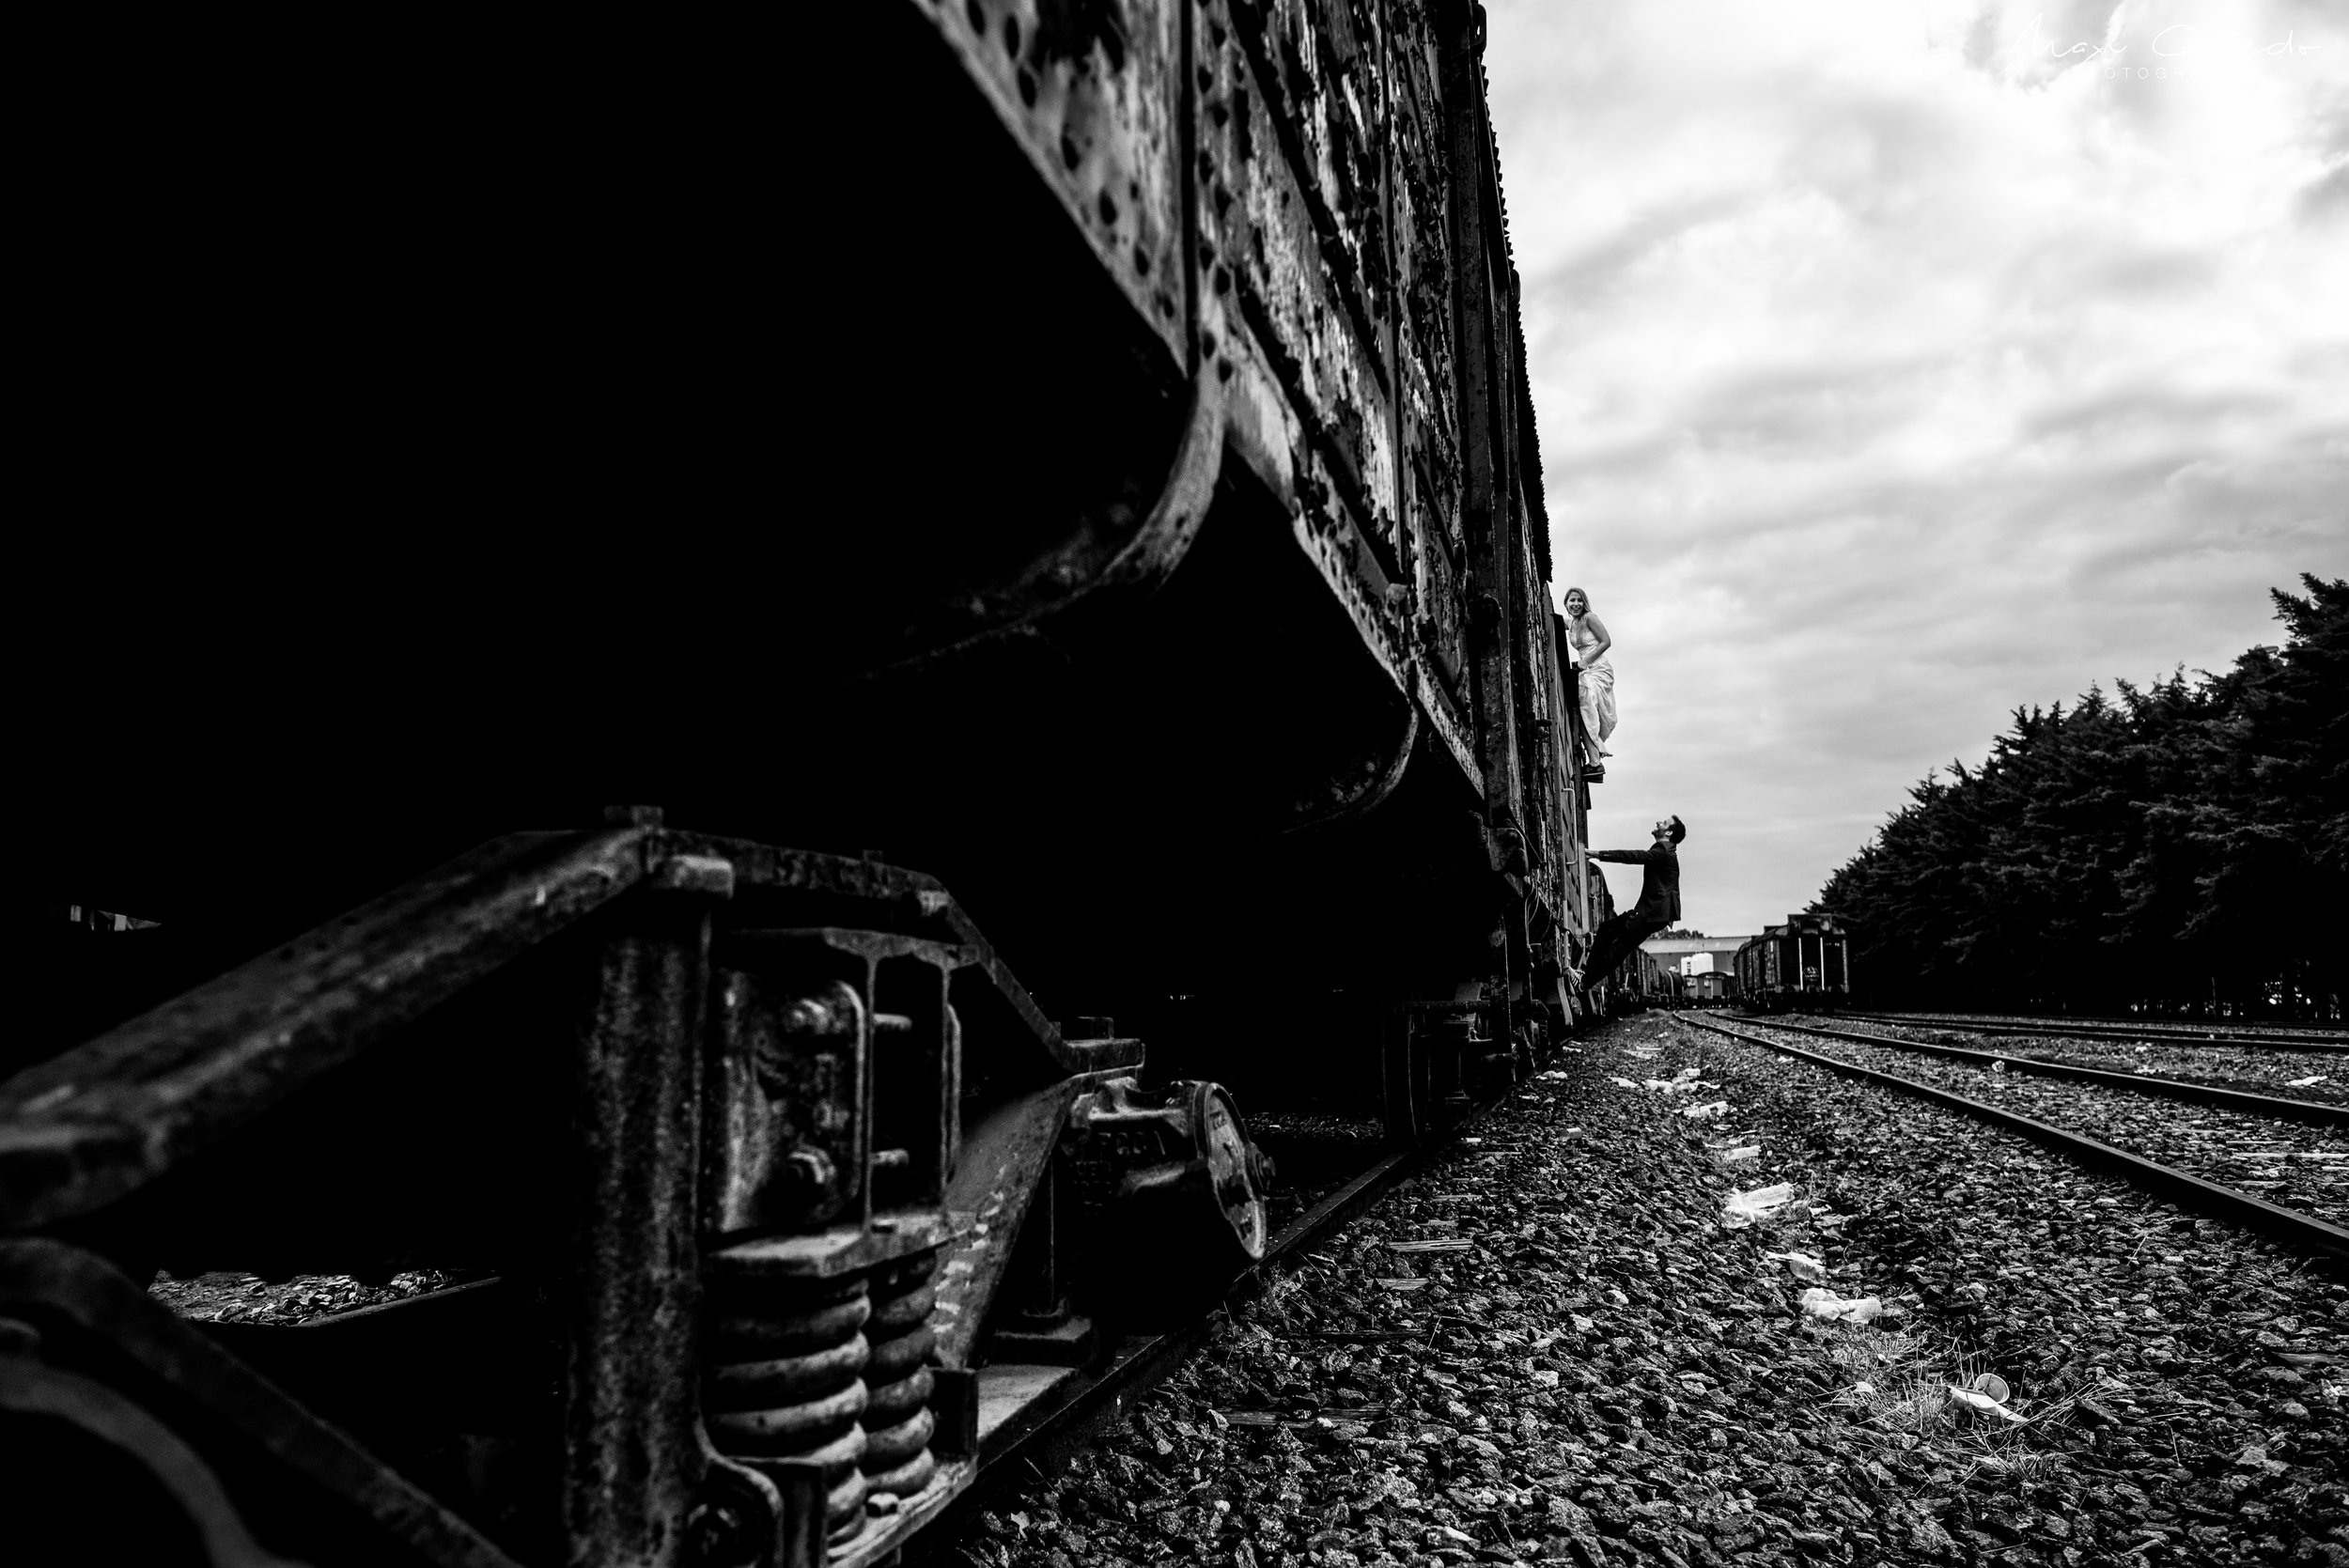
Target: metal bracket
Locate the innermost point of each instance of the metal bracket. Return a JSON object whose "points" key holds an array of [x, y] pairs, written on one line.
{"points": [[1143, 562], [1167, 533]]}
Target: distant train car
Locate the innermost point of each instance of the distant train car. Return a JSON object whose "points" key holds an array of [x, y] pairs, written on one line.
{"points": [[1805, 963], [1711, 986], [1653, 982]]}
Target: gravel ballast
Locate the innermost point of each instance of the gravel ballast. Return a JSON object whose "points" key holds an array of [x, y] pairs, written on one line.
{"points": [[1549, 1347], [2278, 1072], [2143, 1027], [2289, 1163]]}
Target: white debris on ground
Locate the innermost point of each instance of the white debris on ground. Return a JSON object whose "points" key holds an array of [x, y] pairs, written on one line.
{"points": [[1618, 1369], [1820, 1302]]}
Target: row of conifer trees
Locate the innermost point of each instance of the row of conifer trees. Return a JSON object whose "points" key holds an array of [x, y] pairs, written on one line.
{"points": [[2183, 847]]}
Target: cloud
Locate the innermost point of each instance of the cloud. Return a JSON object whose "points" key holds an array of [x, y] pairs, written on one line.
{"points": [[1896, 365]]}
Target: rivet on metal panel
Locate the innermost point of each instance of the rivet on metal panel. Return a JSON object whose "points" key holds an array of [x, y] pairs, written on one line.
{"points": [[702, 873]]}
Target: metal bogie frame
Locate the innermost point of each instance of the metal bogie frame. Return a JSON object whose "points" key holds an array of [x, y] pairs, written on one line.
{"points": [[713, 1119]]}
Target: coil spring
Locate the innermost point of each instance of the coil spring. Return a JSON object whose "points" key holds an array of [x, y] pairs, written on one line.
{"points": [[897, 1420], [787, 1382]]}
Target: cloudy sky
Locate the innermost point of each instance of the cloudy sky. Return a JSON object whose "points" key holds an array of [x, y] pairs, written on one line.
{"points": [[1898, 365]]}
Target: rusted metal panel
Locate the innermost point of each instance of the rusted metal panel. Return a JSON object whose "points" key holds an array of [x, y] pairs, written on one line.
{"points": [[1297, 290], [1277, 119], [1092, 94], [1325, 216], [101, 1120], [1421, 236], [1479, 300], [1318, 64], [1347, 289]]}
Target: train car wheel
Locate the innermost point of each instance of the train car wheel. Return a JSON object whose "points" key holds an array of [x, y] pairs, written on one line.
{"points": [[1171, 1191], [1236, 1172]]}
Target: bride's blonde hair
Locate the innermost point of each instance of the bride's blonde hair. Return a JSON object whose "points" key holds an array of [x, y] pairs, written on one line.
{"points": [[1586, 598]]}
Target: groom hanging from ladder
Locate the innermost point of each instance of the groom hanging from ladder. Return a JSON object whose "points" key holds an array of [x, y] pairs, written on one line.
{"points": [[1659, 905]]}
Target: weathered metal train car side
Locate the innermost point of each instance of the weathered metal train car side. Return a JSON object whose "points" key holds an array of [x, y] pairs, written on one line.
{"points": [[1168, 523], [1184, 609], [1314, 648]]}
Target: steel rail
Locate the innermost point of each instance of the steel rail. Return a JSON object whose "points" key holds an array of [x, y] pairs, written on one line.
{"points": [[2318, 1112], [2304, 1232], [2137, 1029], [2109, 1032]]}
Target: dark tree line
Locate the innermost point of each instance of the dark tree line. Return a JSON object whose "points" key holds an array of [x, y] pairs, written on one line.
{"points": [[2182, 849]]}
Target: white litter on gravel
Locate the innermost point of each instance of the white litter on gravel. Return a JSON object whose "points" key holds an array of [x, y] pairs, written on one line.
{"points": [[1822, 1303], [1983, 1404], [1740, 1210]]}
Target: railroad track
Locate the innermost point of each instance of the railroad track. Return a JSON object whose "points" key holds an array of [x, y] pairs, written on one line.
{"points": [[1047, 1429], [2303, 1232], [2130, 1033], [2318, 1113], [2305, 1074]]}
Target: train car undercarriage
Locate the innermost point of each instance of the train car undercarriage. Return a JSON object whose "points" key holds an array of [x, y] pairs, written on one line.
{"points": [[772, 1186], [1156, 558]]}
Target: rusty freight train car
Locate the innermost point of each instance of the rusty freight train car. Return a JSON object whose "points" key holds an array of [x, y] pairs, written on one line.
{"points": [[1065, 470], [1805, 964]]}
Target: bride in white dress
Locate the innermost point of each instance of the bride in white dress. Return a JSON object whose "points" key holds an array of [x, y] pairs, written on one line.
{"points": [[1587, 636]]}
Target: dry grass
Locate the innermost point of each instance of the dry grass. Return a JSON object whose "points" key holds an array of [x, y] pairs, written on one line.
{"points": [[1898, 1397]]}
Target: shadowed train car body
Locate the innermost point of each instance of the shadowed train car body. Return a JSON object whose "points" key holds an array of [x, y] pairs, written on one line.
{"points": [[1080, 453]]}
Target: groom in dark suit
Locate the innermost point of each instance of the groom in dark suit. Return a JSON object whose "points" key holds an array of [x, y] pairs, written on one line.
{"points": [[1659, 905]]}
